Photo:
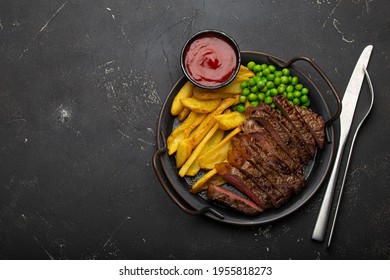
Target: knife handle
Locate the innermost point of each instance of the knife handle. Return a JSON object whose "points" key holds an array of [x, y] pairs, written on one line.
{"points": [[323, 215]]}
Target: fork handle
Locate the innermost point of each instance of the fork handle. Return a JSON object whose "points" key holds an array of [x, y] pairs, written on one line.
{"points": [[323, 215]]}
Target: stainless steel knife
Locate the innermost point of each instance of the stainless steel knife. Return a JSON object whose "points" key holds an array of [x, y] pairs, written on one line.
{"points": [[349, 102]]}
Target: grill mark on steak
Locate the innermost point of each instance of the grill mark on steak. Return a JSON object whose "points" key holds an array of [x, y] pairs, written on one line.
{"points": [[290, 113], [315, 123], [233, 200]]}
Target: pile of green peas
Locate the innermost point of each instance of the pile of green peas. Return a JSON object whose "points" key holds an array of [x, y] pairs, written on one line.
{"points": [[269, 82]]}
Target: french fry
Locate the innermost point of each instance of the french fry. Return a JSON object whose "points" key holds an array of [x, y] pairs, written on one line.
{"points": [[184, 92], [214, 140], [230, 121], [218, 153], [201, 106], [183, 131], [201, 185], [195, 153]]}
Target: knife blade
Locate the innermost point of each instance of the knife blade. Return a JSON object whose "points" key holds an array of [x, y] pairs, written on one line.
{"points": [[349, 102]]}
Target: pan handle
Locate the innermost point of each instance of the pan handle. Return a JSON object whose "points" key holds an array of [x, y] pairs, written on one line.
{"points": [[178, 201], [322, 74]]}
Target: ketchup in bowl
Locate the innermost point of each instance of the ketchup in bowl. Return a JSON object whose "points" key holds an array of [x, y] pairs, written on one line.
{"points": [[210, 59]]}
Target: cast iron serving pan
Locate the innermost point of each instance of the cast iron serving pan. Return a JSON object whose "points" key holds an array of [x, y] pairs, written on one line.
{"points": [[177, 188]]}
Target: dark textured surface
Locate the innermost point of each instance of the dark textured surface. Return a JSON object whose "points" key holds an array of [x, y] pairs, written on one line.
{"points": [[81, 87]]}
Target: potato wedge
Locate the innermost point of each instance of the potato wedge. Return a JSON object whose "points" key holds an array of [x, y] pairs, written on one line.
{"points": [[218, 153], [201, 184], [209, 120], [195, 153], [183, 130], [183, 152], [201, 106], [183, 114], [214, 140], [202, 94], [184, 92], [230, 121]]}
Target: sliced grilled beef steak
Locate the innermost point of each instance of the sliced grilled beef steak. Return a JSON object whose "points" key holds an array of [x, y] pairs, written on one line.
{"points": [[290, 113], [255, 175], [266, 160], [233, 200], [316, 124], [244, 184]]}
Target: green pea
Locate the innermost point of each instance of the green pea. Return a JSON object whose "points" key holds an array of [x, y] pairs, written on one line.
{"points": [[272, 68], [257, 79], [284, 80], [286, 72], [264, 89], [273, 105], [264, 79], [242, 99], [270, 77], [290, 88], [255, 103], [278, 73], [254, 89], [260, 74], [298, 86], [307, 103], [290, 95], [297, 93], [245, 91], [240, 108], [277, 81], [305, 91], [270, 84], [266, 71], [256, 68], [264, 66], [274, 91], [268, 100], [260, 84], [296, 101], [252, 97], [252, 82], [294, 80], [281, 88], [244, 84], [261, 96], [304, 99], [250, 65]]}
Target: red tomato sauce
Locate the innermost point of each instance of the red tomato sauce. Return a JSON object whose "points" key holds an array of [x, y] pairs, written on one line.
{"points": [[210, 61]]}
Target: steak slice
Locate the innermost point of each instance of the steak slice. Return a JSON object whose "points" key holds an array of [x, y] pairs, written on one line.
{"points": [[277, 180], [233, 200], [276, 131], [299, 141], [258, 179], [238, 179], [316, 124], [263, 140], [290, 113]]}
